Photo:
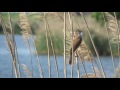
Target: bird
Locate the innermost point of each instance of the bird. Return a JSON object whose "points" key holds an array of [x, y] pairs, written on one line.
{"points": [[77, 39]]}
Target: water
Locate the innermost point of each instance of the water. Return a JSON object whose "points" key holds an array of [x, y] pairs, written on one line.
{"points": [[24, 57]]}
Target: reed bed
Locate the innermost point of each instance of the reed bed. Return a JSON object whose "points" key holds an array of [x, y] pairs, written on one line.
{"points": [[69, 22]]}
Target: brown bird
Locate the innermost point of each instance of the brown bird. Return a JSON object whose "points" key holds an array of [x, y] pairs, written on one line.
{"points": [[77, 39]]}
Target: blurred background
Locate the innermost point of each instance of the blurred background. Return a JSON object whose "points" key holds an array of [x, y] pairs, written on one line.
{"points": [[95, 22]]}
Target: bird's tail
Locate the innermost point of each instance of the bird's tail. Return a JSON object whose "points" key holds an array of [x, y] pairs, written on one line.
{"points": [[70, 60]]}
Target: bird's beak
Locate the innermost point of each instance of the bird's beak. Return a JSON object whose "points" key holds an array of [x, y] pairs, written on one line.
{"points": [[81, 34]]}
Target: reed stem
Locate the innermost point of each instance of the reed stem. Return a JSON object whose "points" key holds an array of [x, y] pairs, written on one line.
{"points": [[49, 65], [88, 30], [71, 25], [65, 74], [52, 47], [106, 29]]}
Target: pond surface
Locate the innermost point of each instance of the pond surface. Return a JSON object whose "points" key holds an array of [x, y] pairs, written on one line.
{"points": [[24, 57]]}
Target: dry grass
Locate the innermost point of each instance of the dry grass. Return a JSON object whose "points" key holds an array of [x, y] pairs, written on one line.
{"points": [[11, 45], [27, 33], [61, 24], [27, 71], [97, 74]]}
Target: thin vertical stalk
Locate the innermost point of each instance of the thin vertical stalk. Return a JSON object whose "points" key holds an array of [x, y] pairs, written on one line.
{"points": [[78, 70], [87, 47], [28, 45], [39, 64], [27, 33], [52, 47], [82, 64], [93, 44], [106, 29], [77, 21], [118, 30], [12, 70], [71, 25], [63, 20], [12, 34], [14, 43], [5, 32], [80, 28], [15, 69], [91, 62], [65, 74], [93, 68], [49, 65], [18, 64]]}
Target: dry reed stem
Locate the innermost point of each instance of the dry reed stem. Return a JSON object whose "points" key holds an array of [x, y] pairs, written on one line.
{"points": [[26, 32], [65, 74], [77, 63], [71, 25], [87, 52], [10, 45], [92, 75], [52, 47], [28, 45], [118, 31], [106, 29], [82, 64], [14, 43], [49, 65], [84, 50], [112, 27], [93, 44], [39, 64]]}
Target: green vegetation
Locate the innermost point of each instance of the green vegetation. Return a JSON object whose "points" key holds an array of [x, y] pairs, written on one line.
{"points": [[99, 17], [56, 28], [101, 43], [42, 43], [15, 22]]}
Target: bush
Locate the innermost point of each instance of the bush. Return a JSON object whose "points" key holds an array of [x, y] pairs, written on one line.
{"points": [[41, 43], [99, 17], [101, 43]]}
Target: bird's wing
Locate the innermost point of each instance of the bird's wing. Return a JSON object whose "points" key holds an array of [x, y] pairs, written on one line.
{"points": [[76, 43]]}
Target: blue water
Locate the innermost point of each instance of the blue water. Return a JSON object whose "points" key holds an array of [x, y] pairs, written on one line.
{"points": [[24, 57]]}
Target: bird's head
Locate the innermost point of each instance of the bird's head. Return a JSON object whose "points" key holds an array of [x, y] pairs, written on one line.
{"points": [[78, 33]]}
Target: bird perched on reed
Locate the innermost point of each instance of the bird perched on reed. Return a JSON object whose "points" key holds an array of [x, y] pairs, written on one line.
{"points": [[77, 39]]}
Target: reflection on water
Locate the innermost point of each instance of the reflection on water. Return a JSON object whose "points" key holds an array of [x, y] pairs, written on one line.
{"points": [[24, 57]]}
